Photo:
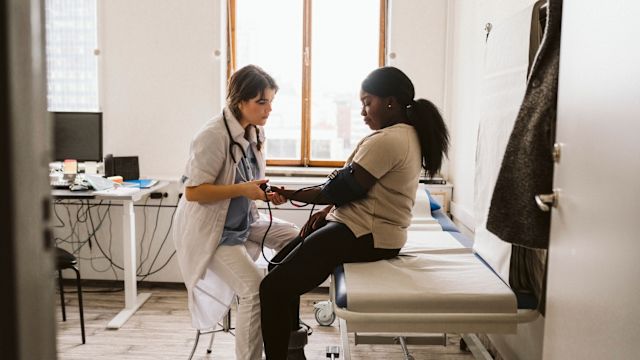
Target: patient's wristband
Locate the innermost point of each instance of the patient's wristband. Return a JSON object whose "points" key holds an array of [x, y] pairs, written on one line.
{"points": [[342, 187]]}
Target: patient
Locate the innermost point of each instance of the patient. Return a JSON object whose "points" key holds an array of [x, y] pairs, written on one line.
{"points": [[370, 202]]}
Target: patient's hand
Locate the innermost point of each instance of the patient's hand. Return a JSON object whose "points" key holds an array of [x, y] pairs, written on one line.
{"points": [[316, 221], [275, 197]]}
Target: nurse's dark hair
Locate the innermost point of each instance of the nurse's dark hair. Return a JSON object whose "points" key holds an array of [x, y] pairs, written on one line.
{"points": [[422, 114], [245, 84]]}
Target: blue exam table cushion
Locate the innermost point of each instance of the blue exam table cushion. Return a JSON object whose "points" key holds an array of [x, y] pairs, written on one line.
{"points": [[432, 202]]}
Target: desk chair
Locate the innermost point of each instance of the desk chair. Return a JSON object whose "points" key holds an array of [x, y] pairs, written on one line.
{"points": [[66, 260], [226, 327]]}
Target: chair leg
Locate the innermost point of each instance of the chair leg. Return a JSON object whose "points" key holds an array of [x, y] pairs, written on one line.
{"points": [[195, 345], [64, 313], [226, 327], [213, 334], [75, 268], [226, 322]]}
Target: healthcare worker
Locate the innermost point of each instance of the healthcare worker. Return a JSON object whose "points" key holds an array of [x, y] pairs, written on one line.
{"points": [[371, 200], [217, 228]]}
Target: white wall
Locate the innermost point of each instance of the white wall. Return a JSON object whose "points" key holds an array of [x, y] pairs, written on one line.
{"points": [[417, 40], [416, 44], [161, 78], [466, 54]]}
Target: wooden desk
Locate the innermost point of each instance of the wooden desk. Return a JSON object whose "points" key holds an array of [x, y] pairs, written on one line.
{"points": [[132, 300]]}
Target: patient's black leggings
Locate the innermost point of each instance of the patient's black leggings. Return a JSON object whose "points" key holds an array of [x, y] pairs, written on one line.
{"points": [[306, 268]]}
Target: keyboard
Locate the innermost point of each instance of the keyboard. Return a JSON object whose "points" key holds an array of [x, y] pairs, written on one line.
{"points": [[60, 184]]}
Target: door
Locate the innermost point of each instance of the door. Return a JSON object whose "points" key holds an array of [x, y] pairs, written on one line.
{"points": [[594, 265], [27, 322]]}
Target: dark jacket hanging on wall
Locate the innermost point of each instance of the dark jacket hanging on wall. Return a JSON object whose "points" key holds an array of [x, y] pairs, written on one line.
{"points": [[527, 170], [527, 166]]}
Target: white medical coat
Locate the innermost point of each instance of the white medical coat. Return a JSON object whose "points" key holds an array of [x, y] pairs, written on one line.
{"points": [[198, 227]]}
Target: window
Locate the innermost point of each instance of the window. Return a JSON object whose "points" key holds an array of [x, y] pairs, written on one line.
{"points": [[319, 52], [71, 50]]}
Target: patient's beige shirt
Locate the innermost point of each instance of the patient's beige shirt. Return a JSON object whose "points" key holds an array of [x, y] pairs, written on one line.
{"points": [[392, 155]]}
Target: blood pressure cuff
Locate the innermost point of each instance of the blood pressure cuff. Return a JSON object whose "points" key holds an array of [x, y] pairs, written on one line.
{"points": [[342, 187]]}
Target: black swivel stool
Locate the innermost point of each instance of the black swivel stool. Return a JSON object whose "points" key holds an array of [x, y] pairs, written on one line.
{"points": [[66, 260]]}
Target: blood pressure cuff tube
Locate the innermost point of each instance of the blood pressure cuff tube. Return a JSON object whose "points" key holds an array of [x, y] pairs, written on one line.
{"points": [[342, 187]]}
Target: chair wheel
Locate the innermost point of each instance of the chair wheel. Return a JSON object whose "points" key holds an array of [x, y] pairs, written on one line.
{"points": [[324, 313], [208, 351], [463, 345]]}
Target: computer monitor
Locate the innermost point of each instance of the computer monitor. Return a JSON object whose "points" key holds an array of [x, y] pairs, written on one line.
{"points": [[77, 135]]}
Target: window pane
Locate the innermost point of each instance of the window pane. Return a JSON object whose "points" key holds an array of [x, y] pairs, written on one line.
{"points": [[72, 66], [269, 34], [345, 46]]}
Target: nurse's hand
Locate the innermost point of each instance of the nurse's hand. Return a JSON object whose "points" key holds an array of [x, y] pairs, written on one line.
{"points": [[251, 189], [275, 197]]}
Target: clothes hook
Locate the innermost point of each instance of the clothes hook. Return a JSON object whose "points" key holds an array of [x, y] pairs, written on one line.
{"points": [[487, 27]]}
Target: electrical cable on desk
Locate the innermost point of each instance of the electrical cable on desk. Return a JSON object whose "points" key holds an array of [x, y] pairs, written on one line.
{"points": [[110, 259], [153, 236], [55, 212], [94, 231], [82, 211], [115, 273], [81, 218], [144, 233], [77, 243], [74, 231], [151, 271], [113, 264], [107, 257], [83, 215], [71, 225]]}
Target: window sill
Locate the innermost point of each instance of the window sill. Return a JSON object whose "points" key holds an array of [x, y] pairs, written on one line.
{"points": [[298, 171]]}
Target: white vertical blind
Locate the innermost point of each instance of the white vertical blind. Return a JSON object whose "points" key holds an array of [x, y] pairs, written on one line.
{"points": [[72, 62]]}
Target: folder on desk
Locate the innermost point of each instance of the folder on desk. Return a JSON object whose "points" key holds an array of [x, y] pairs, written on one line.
{"points": [[140, 183]]}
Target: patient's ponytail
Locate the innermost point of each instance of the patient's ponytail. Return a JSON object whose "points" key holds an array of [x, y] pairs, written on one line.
{"points": [[432, 132], [422, 114]]}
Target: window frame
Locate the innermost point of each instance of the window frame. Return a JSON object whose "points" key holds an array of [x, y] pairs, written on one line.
{"points": [[305, 136]]}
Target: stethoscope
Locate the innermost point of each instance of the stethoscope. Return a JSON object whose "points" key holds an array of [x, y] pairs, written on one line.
{"points": [[233, 142], [243, 160], [247, 168]]}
